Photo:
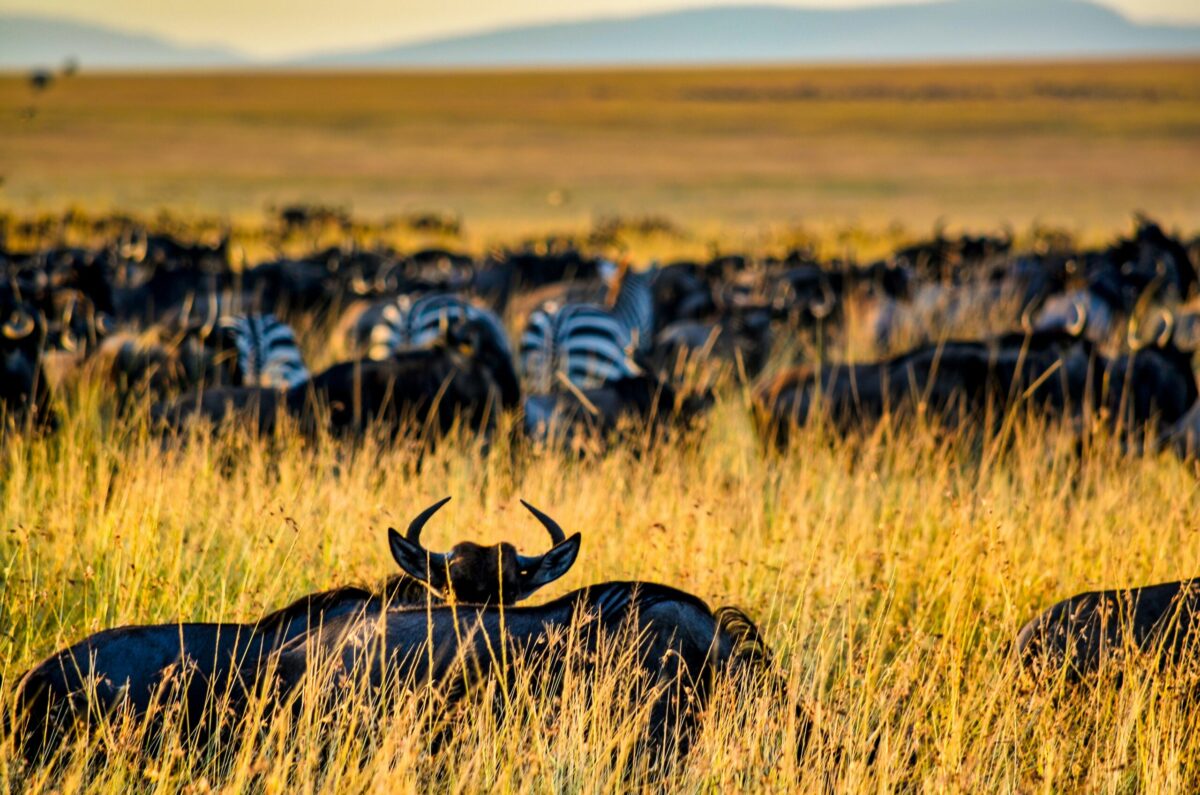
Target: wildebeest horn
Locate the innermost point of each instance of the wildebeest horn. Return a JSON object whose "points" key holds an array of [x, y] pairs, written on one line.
{"points": [[19, 325], [1027, 319], [418, 524], [1131, 336], [1164, 337], [213, 316], [556, 533], [1076, 328], [825, 307]]}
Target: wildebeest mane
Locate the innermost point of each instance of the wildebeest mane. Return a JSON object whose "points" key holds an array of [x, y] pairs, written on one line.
{"points": [[613, 600], [399, 590], [310, 605]]}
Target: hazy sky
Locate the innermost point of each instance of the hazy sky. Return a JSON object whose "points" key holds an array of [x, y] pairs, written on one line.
{"points": [[272, 28]]}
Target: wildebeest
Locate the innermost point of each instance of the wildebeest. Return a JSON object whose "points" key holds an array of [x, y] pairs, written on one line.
{"points": [[132, 668], [260, 409], [741, 336], [1067, 310], [682, 292], [1184, 436], [1153, 382], [667, 645], [24, 393], [947, 381], [1079, 635], [465, 374], [577, 419]]}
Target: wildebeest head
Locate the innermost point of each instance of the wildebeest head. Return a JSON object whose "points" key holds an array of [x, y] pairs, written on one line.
{"points": [[477, 574], [19, 353], [22, 338], [476, 340]]}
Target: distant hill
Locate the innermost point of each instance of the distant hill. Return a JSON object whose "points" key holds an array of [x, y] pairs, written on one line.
{"points": [[943, 29], [29, 41], [740, 34]]}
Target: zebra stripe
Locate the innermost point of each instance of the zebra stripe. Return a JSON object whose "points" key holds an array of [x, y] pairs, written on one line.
{"points": [[586, 343], [408, 323], [268, 355], [634, 307]]}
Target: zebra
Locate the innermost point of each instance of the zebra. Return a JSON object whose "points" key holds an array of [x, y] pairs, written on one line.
{"points": [[588, 344], [407, 323], [267, 353]]}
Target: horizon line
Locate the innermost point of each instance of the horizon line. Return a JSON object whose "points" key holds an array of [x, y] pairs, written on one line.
{"points": [[299, 58]]}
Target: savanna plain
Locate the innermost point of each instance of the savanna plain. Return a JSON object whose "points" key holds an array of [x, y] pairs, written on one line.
{"points": [[889, 572]]}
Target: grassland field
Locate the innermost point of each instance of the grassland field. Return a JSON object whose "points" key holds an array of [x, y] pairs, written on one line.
{"points": [[889, 572], [732, 153]]}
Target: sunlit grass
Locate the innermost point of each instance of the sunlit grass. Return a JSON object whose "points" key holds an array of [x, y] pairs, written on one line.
{"points": [[889, 573]]}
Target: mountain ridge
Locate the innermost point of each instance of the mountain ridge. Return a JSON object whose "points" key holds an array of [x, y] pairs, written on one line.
{"points": [[766, 33], [937, 30], [37, 41]]}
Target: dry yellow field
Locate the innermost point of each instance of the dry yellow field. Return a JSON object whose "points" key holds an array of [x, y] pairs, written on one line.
{"points": [[730, 151], [889, 573]]}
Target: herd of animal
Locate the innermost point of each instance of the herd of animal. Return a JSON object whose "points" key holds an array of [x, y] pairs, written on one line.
{"points": [[1098, 338], [1103, 335]]}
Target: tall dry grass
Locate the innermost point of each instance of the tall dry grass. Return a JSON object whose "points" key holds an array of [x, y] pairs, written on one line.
{"points": [[889, 573]]}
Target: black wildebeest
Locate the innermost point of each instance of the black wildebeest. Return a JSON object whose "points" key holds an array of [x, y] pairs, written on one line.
{"points": [[1153, 382], [668, 646], [1079, 635], [466, 374], [24, 393], [133, 668], [1184, 436], [949, 381], [573, 417], [741, 336]]}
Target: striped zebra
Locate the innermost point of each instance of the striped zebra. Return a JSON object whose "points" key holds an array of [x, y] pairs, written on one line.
{"points": [[267, 353], [407, 323], [589, 344]]}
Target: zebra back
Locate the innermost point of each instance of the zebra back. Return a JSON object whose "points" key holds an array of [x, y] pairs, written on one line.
{"points": [[408, 323], [590, 344], [268, 355], [584, 343]]}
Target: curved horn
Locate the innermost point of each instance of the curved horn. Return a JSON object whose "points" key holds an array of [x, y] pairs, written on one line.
{"points": [[19, 325], [1076, 328], [556, 533], [213, 316], [1164, 338], [825, 308], [1027, 320], [1131, 336], [418, 524]]}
